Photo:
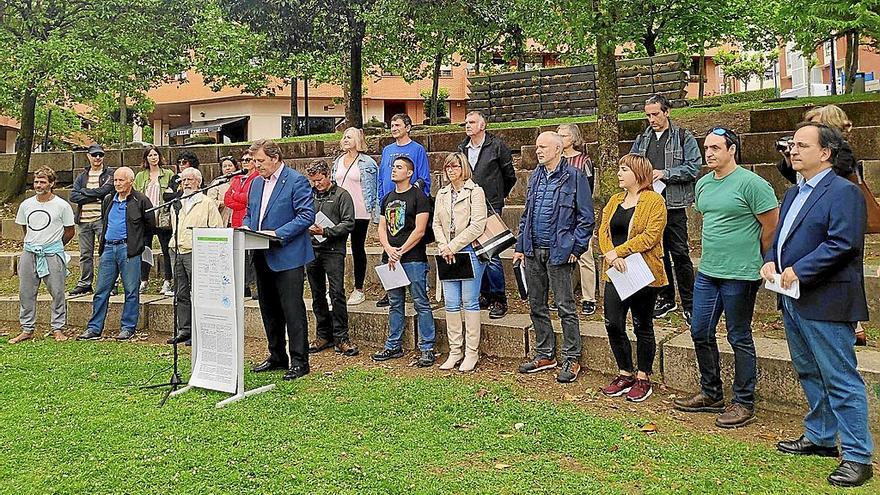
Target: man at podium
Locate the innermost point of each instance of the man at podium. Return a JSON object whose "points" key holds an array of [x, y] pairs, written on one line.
{"points": [[280, 204]]}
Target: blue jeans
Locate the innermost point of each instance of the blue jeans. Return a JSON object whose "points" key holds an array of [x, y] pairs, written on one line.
{"points": [[493, 278], [823, 356], [115, 261], [465, 294], [417, 273], [736, 299]]}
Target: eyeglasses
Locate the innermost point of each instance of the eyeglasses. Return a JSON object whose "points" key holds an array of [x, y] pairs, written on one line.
{"points": [[97, 155], [246, 160], [452, 165]]}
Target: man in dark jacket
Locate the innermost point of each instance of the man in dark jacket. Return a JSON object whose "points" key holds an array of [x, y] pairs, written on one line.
{"points": [[492, 166], [333, 204], [89, 190], [125, 223]]}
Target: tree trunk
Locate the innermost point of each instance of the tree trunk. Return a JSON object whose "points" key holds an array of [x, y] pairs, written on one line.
{"points": [[702, 82], [477, 60], [435, 88], [355, 111], [851, 61], [24, 144], [650, 42], [606, 72], [306, 105], [123, 119], [294, 109]]}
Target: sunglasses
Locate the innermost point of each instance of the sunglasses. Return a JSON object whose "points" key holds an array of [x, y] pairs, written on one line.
{"points": [[246, 160], [97, 155], [720, 131]]}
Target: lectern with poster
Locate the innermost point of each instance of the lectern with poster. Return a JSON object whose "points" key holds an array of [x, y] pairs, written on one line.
{"points": [[218, 310]]}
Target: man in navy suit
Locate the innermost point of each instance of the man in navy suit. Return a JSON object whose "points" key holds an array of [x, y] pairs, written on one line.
{"points": [[820, 246], [280, 203]]}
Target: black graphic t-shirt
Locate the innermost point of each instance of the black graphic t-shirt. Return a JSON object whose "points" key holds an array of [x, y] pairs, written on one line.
{"points": [[400, 210]]}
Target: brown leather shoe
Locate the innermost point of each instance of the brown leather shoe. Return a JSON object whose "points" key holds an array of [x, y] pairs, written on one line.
{"points": [[319, 345], [734, 416], [861, 338], [346, 348], [699, 402]]}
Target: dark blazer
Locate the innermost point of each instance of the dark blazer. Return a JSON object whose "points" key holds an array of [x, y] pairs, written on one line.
{"points": [[138, 223], [825, 247], [494, 171], [290, 213]]}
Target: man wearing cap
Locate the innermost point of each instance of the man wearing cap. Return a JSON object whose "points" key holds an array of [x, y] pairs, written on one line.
{"points": [[89, 189]]}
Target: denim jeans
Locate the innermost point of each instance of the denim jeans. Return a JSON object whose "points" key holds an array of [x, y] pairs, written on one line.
{"points": [[823, 356], [736, 299], [113, 262], [89, 235], [465, 294], [542, 277], [417, 273], [493, 278]]}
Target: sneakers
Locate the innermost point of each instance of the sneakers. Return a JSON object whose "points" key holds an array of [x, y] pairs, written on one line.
{"points": [[356, 298], [114, 291], [498, 310], [426, 360], [640, 391], [734, 416], [383, 303], [89, 335], [346, 348], [537, 364], [386, 354], [319, 345], [663, 308], [552, 306], [589, 308], [619, 386], [143, 288], [80, 290], [687, 317], [569, 371], [124, 335], [167, 288], [485, 302]]}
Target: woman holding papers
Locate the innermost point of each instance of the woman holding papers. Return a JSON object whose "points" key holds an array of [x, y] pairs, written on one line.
{"points": [[459, 218], [632, 224]]}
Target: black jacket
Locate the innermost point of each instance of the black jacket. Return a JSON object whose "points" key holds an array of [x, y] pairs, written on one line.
{"points": [[138, 222], [844, 165], [494, 171], [81, 195], [337, 204]]}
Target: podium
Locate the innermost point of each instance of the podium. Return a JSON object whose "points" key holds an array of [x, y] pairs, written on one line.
{"points": [[218, 310]]}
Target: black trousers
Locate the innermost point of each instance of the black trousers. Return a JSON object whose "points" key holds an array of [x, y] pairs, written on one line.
{"points": [[676, 251], [331, 326], [284, 312], [164, 238], [642, 306], [359, 253]]}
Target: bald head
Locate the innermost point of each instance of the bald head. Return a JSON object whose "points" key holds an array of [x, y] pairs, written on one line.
{"points": [[123, 178], [549, 149]]}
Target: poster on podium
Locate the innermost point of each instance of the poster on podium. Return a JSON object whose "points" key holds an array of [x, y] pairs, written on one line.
{"points": [[214, 320]]}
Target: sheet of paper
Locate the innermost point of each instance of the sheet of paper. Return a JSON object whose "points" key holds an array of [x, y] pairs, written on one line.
{"points": [[322, 220], [147, 256], [659, 186], [636, 277], [776, 286], [392, 279]]}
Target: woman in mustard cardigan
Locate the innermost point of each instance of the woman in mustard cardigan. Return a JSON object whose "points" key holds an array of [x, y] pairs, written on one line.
{"points": [[633, 222]]}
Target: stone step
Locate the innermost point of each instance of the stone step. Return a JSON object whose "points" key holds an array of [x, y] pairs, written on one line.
{"points": [[861, 113]]}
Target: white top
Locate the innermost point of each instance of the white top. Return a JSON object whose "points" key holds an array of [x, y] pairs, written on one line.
{"points": [[473, 152], [349, 178], [45, 221]]}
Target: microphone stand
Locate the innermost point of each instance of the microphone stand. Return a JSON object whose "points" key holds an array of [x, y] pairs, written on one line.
{"points": [[175, 382]]}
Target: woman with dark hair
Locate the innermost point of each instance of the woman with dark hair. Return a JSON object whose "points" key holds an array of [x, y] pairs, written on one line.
{"points": [[152, 180], [228, 164], [236, 200]]}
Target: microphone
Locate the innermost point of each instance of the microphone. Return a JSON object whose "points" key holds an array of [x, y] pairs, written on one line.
{"points": [[229, 176]]}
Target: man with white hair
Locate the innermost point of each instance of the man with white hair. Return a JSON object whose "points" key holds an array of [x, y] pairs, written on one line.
{"points": [[125, 222], [194, 211], [553, 233]]}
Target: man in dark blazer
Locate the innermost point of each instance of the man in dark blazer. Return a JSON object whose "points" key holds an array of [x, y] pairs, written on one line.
{"points": [[280, 203], [819, 245]]}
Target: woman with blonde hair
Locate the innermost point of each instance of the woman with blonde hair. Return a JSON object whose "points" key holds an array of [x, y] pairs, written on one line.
{"points": [[574, 152], [356, 172], [459, 218], [633, 222]]}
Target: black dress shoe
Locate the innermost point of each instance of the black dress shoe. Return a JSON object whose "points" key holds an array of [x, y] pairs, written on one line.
{"points": [[296, 372], [802, 446], [268, 365], [384, 302], [180, 339], [851, 473]]}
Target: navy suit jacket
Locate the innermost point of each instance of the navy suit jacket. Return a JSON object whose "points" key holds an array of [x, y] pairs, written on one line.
{"points": [[290, 213], [825, 247]]}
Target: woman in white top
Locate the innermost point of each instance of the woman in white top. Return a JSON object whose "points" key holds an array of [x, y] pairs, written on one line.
{"points": [[228, 164], [356, 172]]}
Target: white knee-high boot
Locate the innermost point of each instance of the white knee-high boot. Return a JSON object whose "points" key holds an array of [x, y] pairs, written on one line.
{"points": [[456, 339]]}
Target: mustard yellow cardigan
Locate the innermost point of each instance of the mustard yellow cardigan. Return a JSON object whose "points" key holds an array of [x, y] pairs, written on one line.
{"points": [[645, 233]]}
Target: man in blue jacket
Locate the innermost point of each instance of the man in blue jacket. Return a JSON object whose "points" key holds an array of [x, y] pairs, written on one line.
{"points": [[819, 245], [553, 232], [280, 203]]}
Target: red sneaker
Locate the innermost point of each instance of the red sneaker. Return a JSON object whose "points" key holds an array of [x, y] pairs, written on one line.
{"points": [[619, 386], [640, 391]]}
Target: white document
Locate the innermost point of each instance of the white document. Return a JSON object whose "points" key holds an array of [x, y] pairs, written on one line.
{"points": [[636, 277], [322, 220], [776, 286], [147, 256], [659, 186], [392, 279]]}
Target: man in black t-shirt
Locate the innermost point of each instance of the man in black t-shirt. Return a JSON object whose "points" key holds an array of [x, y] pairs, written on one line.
{"points": [[402, 228]]}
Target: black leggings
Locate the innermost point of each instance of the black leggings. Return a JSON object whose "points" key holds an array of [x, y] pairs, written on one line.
{"points": [[641, 304], [164, 237], [358, 252]]}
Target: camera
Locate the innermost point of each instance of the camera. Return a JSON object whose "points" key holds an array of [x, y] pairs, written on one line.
{"points": [[784, 144]]}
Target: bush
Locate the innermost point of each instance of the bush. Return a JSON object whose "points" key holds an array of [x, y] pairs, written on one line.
{"points": [[758, 95]]}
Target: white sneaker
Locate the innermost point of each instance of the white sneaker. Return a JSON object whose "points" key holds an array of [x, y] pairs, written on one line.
{"points": [[356, 298], [167, 289], [143, 288]]}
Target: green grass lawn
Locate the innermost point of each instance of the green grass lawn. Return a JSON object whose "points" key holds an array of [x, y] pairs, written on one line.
{"points": [[74, 421]]}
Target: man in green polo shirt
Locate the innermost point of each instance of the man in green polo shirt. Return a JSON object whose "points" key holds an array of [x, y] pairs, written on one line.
{"points": [[740, 211]]}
